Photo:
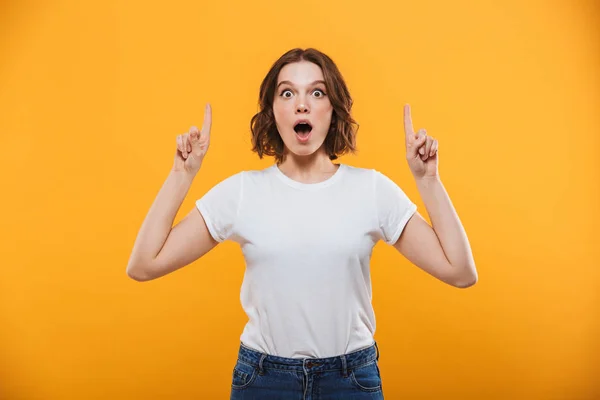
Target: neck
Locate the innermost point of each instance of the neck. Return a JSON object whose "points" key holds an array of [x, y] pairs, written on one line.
{"points": [[308, 169]]}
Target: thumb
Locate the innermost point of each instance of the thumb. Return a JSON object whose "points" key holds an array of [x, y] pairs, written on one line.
{"points": [[417, 145], [198, 142], [194, 135]]}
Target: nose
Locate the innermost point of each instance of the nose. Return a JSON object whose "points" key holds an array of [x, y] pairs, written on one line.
{"points": [[301, 108]]}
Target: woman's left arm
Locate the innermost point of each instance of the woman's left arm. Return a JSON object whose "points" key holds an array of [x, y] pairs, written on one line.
{"points": [[441, 249]]}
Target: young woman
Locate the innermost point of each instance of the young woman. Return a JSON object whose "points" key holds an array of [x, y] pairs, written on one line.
{"points": [[307, 227]]}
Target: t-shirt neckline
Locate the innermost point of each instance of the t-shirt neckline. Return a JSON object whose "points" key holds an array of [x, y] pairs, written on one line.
{"points": [[309, 186]]}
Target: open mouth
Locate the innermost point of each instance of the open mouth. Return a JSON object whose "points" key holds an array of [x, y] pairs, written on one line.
{"points": [[303, 128]]}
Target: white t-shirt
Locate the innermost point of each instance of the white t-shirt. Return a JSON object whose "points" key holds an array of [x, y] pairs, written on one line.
{"points": [[307, 283]]}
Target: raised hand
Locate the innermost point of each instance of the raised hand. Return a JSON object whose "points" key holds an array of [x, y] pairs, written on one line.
{"points": [[421, 150], [192, 146]]}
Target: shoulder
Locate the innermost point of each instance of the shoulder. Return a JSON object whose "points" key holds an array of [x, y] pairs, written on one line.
{"points": [[257, 173], [245, 175], [366, 175], [359, 172], [234, 179], [381, 182], [256, 176]]}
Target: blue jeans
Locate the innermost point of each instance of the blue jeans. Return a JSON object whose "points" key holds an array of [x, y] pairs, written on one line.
{"points": [[352, 376]]}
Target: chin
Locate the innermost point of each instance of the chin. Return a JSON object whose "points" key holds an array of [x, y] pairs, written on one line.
{"points": [[303, 150], [306, 150]]}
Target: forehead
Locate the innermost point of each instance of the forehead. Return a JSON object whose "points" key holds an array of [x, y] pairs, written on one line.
{"points": [[300, 73]]}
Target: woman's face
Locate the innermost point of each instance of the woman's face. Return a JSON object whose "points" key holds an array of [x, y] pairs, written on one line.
{"points": [[300, 96]]}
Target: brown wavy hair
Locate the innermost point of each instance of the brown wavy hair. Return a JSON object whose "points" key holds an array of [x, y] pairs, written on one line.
{"points": [[340, 139]]}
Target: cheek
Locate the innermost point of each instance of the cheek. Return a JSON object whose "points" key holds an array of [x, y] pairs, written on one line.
{"points": [[324, 107], [278, 113], [325, 112], [282, 107]]}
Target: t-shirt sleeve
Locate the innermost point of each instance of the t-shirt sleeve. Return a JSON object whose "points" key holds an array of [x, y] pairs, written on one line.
{"points": [[394, 208], [220, 206]]}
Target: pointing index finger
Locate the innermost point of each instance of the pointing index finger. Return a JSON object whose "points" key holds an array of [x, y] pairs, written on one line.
{"points": [[408, 125], [207, 120]]}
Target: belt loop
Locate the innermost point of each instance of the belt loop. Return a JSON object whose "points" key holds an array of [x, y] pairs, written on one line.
{"points": [[377, 348], [344, 366], [261, 371]]}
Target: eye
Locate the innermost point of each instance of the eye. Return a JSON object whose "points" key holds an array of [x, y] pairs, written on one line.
{"points": [[283, 94], [321, 93]]}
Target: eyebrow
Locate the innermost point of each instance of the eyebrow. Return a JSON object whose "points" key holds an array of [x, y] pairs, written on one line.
{"points": [[291, 84]]}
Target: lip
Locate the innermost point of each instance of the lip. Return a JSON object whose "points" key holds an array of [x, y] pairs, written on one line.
{"points": [[306, 138], [303, 121]]}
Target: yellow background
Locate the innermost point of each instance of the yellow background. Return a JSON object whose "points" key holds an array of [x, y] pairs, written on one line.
{"points": [[93, 95]]}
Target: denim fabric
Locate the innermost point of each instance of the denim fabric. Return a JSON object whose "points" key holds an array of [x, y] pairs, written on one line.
{"points": [[352, 376]]}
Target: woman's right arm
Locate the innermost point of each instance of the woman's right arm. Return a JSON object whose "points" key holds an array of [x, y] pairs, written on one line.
{"points": [[161, 248]]}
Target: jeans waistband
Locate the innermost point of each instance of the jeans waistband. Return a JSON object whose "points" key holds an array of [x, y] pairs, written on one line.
{"points": [[342, 362]]}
